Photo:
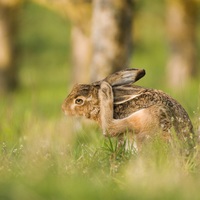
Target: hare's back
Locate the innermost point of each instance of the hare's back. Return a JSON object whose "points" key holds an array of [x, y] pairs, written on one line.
{"points": [[130, 99]]}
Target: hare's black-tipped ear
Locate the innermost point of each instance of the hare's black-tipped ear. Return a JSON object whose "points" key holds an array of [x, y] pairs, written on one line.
{"points": [[123, 77], [126, 76], [140, 74]]}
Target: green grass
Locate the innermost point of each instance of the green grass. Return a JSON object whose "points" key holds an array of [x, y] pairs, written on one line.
{"points": [[42, 154]]}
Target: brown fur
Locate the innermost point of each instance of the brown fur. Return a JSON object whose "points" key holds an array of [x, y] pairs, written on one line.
{"points": [[125, 107]]}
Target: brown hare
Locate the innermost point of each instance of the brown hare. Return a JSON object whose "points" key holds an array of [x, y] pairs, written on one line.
{"points": [[119, 106]]}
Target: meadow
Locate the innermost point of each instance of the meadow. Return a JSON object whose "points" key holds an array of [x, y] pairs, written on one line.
{"points": [[44, 156]]}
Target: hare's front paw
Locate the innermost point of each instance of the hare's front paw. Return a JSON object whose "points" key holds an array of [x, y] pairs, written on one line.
{"points": [[105, 93], [106, 107]]}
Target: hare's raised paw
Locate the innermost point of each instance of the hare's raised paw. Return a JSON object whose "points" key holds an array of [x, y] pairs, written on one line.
{"points": [[105, 92]]}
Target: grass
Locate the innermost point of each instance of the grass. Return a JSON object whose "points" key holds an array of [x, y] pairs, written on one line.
{"points": [[43, 156]]}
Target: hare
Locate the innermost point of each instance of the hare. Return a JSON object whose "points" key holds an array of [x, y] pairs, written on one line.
{"points": [[119, 106]]}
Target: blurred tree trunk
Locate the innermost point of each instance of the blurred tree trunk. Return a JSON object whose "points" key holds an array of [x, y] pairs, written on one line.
{"points": [[81, 39], [79, 13], [111, 36], [181, 27], [81, 55], [8, 27]]}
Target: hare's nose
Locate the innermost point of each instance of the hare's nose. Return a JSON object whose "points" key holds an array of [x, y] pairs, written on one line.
{"points": [[63, 107]]}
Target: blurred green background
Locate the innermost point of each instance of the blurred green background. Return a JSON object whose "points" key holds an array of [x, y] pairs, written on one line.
{"points": [[41, 156]]}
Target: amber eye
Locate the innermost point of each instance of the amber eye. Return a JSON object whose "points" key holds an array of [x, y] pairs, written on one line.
{"points": [[79, 101]]}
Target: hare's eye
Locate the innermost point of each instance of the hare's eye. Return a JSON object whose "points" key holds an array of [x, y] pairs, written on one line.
{"points": [[79, 101]]}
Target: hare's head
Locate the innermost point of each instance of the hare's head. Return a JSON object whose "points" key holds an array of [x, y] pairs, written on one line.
{"points": [[82, 101]]}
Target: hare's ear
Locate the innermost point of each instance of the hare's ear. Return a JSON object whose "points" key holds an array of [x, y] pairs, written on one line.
{"points": [[126, 76], [123, 77]]}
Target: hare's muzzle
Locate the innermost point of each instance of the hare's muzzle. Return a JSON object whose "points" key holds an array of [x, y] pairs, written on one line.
{"points": [[63, 107]]}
